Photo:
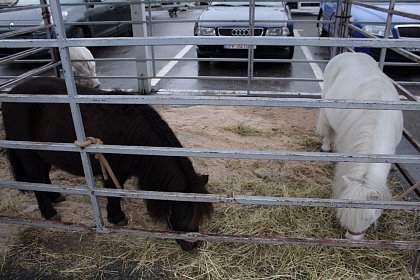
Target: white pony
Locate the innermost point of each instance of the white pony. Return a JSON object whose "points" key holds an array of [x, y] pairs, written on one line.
{"points": [[357, 131], [84, 68]]}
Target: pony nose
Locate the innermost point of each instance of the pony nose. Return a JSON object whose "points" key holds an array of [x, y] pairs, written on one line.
{"points": [[188, 245], [356, 236]]}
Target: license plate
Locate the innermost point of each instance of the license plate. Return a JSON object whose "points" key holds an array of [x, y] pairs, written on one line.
{"points": [[241, 47]]}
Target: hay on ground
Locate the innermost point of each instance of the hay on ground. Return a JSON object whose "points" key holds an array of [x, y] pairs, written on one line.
{"points": [[51, 254]]}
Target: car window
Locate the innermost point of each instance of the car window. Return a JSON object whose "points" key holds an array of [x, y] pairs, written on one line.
{"points": [[36, 2], [7, 2], [264, 4]]}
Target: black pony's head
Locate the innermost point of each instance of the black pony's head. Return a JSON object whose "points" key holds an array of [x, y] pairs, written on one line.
{"points": [[184, 216], [187, 216]]}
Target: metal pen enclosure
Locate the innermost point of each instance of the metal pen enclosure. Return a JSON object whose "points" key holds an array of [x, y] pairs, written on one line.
{"points": [[145, 61]]}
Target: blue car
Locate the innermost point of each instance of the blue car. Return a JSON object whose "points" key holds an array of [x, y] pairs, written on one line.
{"points": [[402, 27]]}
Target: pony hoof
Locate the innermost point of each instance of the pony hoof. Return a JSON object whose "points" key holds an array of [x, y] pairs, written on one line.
{"points": [[326, 148], [121, 223], [59, 199], [187, 245], [55, 218]]}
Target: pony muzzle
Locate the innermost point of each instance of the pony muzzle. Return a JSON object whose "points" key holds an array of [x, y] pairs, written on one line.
{"points": [[356, 236], [188, 245]]}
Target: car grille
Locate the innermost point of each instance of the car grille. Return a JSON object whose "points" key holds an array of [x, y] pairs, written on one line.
{"points": [[408, 31], [239, 31]]}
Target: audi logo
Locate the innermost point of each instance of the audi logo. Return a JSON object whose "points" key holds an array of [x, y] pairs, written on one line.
{"points": [[240, 32]]}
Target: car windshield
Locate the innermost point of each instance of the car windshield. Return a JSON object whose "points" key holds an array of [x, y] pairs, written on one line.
{"points": [[263, 4], [5, 3], [35, 2]]}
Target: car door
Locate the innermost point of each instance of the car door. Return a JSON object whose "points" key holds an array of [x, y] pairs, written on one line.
{"points": [[329, 9], [121, 12], [115, 10], [102, 12]]}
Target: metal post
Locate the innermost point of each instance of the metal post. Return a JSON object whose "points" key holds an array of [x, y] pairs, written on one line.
{"points": [[46, 16], [75, 108], [251, 47], [150, 32], [386, 34], [138, 14], [346, 20], [337, 25]]}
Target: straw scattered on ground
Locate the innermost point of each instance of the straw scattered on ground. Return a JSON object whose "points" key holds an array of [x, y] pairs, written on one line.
{"points": [[31, 253]]}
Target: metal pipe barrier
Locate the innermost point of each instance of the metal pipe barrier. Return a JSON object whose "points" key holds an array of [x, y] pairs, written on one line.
{"points": [[185, 97]]}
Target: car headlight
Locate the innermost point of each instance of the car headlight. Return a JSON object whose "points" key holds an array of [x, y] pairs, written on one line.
{"points": [[377, 30], [277, 31], [64, 14], [205, 31]]}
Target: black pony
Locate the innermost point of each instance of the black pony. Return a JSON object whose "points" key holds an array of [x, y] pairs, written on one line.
{"points": [[126, 124]]}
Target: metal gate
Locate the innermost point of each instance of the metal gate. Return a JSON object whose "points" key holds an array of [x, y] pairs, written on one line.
{"points": [[145, 42]]}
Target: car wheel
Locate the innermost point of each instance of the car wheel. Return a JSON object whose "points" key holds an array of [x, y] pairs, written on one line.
{"points": [[321, 30], [79, 32], [291, 52]]}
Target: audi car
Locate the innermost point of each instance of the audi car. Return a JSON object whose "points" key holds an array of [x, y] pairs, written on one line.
{"points": [[232, 19], [373, 22]]}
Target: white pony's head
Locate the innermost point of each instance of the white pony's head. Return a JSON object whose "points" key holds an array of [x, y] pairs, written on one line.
{"points": [[357, 220]]}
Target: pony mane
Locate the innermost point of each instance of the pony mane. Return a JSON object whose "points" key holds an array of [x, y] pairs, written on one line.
{"points": [[167, 138], [193, 182]]}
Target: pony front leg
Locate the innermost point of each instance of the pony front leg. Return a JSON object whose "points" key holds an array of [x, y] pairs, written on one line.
{"points": [[115, 214], [29, 167], [46, 207], [323, 128], [326, 143]]}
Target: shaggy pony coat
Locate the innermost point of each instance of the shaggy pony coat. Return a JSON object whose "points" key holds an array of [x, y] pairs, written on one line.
{"points": [[114, 124], [357, 76]]}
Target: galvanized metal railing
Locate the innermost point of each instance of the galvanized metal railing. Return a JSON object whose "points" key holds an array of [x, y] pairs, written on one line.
{"points": [[244, 98]]}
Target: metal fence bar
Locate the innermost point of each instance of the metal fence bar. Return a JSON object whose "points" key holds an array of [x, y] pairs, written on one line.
{"points": [[22, 54], [216, 198], [75, 109], [389, 11], [216, 40], [216, 78], [251, 26], [278, 240], [386, 33], [403, 52], [213, 153], [75, 100], [29, 75], [217, 101]]}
